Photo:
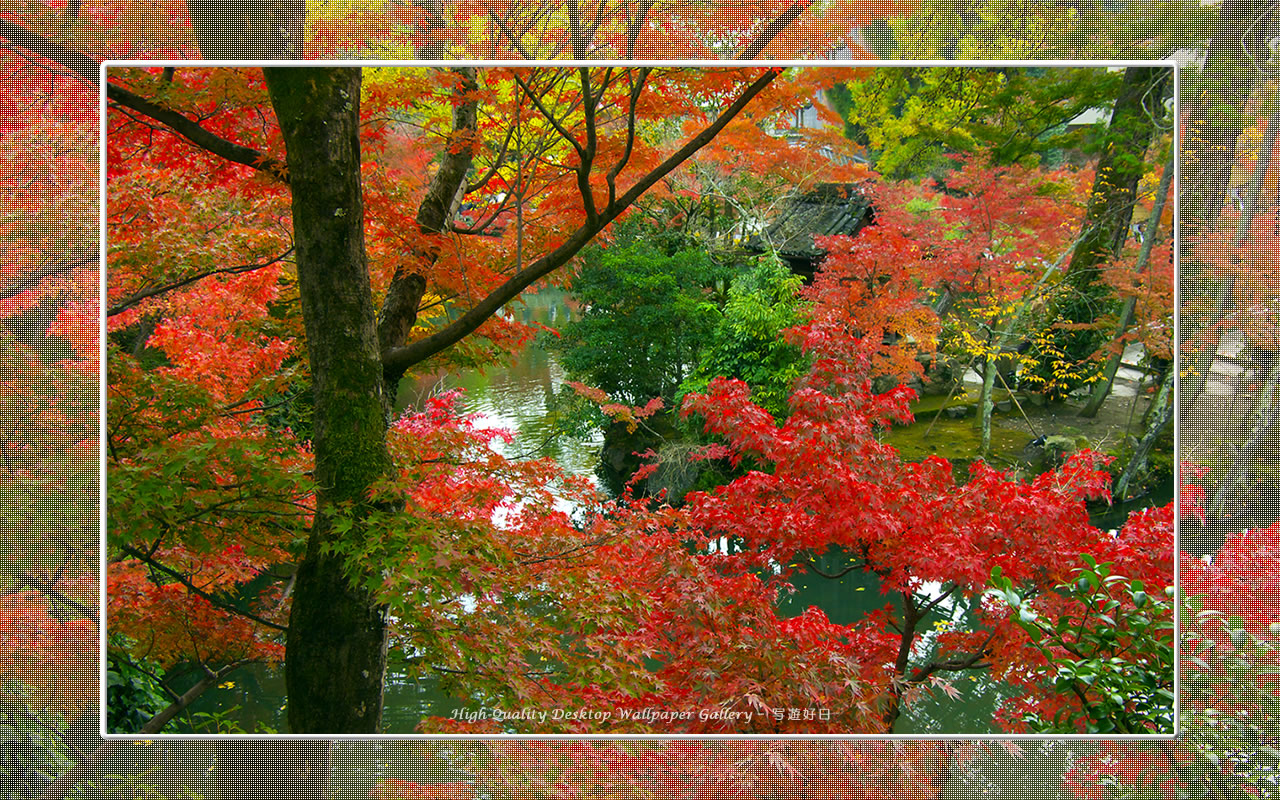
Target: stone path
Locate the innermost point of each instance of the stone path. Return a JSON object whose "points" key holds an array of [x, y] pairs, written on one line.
{"points": [[1227, 374]]}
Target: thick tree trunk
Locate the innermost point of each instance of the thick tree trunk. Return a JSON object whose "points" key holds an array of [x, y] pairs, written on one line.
{"points": [[1119, 169], [1103, 387], [336, 649], [429, 30], [261, 30], [1110, 211], [1215, 102]]}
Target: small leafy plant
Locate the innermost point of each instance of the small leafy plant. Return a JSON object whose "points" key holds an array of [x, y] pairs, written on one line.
{"points": [[1108, 647]]}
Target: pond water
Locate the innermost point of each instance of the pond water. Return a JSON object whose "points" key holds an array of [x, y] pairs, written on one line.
{"points": [[518, 397]]}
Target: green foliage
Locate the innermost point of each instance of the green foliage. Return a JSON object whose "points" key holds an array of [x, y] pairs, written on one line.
{"points": [[31, 748], [291, 409], [133, 695], [1110, 648], [952, 29], [225, 720], [1231, 712], [647, 308], [748, 341], [911, 119], [169, 478], [1046, 29]]}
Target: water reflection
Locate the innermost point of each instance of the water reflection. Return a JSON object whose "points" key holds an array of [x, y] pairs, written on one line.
{"points": [[854, 595], [518, 395]]}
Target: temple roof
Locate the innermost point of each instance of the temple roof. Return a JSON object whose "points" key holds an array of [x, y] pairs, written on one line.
{"points": [[829, 209]]}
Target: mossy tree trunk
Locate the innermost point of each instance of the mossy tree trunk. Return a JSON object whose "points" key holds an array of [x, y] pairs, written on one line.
{"points": [[1215, 101], [335, 656], [257, 31], [1085, 297], [1103, 387], [260, 31], [336, 648]]}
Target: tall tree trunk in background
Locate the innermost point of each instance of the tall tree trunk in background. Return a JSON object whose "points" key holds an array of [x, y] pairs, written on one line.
{"points": [[261, 30], [986, 395], [1103, 387], [1159, 416], [1106, 223], [429, 28], [336, 651], [1215, 102], [1239, 478]]}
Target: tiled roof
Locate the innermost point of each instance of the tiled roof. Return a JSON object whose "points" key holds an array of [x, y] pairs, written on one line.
{"points": [[829, 209]]}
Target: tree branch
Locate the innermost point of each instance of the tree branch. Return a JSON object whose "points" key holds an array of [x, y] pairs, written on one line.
{"points": [[559, 128], [635, 25], [637, 86], [932, 604], [776, 26], [197, 591], [68, 780], [200, 137], [970, 661], [811, 565], [511, 35], [588, 152], [400, 306], [32, 280], [134, 299], [80, 64], [48, 589], [398, 359], [157, 723], [86, 68]]}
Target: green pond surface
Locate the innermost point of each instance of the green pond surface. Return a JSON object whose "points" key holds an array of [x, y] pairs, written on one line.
{"points": [[517, 397]]}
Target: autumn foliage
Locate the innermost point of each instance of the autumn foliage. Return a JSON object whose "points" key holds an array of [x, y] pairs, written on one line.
{"points": [[512, 583], [207, 378]]}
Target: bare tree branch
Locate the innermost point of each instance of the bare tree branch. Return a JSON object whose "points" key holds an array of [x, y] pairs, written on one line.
{"points": [[86, 68], [636, 82], [80, 64], [776, 26], [197, 591], [67, 781], [211, 677]]}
